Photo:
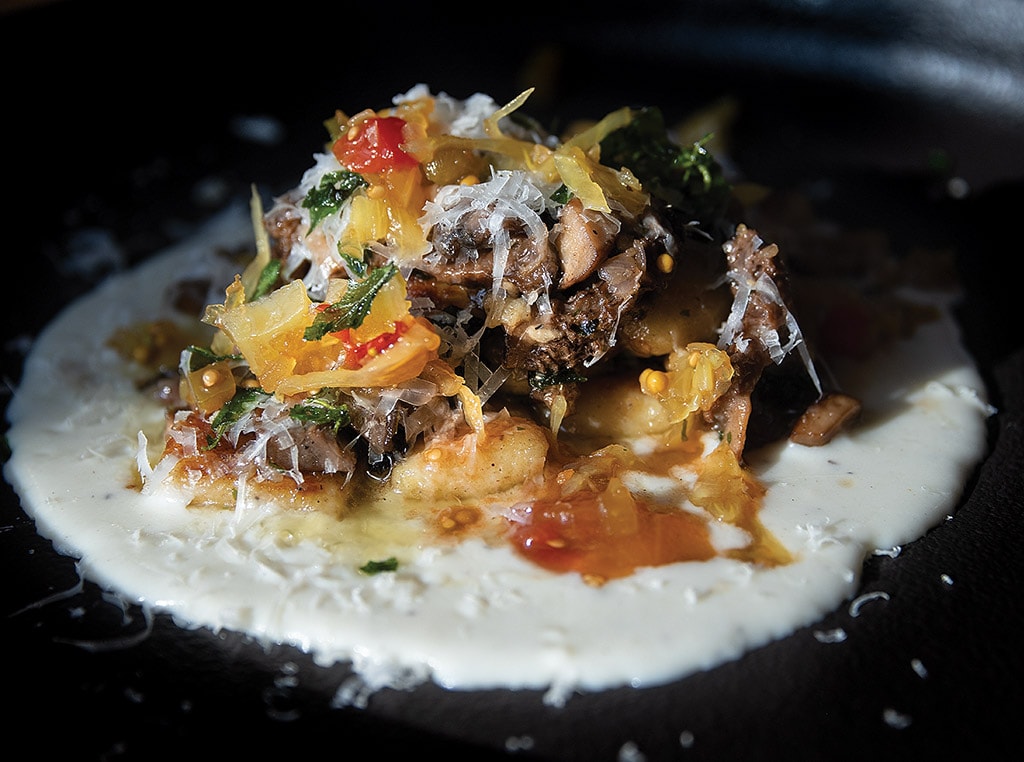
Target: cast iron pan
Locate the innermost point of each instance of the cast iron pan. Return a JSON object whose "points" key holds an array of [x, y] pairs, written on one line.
{"points": [[884, 113]]}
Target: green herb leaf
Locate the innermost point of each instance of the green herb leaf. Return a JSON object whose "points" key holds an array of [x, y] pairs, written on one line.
{"points": [[200, 357], [562, 195], [355, 266], [268, 277], [376, 567], [322, 409], [354, 305], [244, 402], [331, 194]]}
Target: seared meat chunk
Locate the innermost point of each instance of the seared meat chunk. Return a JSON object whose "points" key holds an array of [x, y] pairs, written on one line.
{"points": [[282, 223], [442, 294], [310, 449], [559, 288], [759, 332], [467, 254], [580, 329]]}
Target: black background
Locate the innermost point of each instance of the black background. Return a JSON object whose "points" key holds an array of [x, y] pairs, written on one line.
{"points": [[122, 119]]}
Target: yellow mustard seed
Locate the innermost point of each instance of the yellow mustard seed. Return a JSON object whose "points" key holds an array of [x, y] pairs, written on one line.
{"points": [[653, 381]]}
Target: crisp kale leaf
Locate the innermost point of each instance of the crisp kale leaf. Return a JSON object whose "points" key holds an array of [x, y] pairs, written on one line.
{"points": [[244, 402], [687, 178], [323, 409], [331, 194], [354, 305]]}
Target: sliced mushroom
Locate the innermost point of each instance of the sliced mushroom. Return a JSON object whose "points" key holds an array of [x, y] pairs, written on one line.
{"points": [[824, 419], [585, 240]]}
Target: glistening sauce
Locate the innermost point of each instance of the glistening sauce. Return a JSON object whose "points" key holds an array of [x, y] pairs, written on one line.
{"points": [[451, 607]]}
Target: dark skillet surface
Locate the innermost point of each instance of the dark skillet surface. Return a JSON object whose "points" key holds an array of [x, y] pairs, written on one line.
{"points": [[128, 128]]}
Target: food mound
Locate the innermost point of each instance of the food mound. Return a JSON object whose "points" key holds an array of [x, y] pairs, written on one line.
{"points": [[471, 389], [559, 342]]}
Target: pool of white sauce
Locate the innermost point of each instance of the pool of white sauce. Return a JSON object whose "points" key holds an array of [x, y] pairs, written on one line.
{"points": [[471, 616]]}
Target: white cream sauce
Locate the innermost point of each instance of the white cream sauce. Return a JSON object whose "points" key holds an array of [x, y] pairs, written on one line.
{"points": [[471, 616]]}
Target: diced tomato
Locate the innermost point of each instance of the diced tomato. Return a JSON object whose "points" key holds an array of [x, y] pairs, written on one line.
{"points": [[375, 146], [357, 353]]}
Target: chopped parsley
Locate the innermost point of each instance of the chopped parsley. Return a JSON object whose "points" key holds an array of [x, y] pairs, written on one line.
{"points": [[354, 305], [376, 567], [331, 194]]}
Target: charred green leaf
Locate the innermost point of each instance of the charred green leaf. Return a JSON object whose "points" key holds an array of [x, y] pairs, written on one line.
{"points": [[688, 178]]}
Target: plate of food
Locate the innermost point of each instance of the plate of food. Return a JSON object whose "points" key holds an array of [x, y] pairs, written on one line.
{"points": [[507, 416]]}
